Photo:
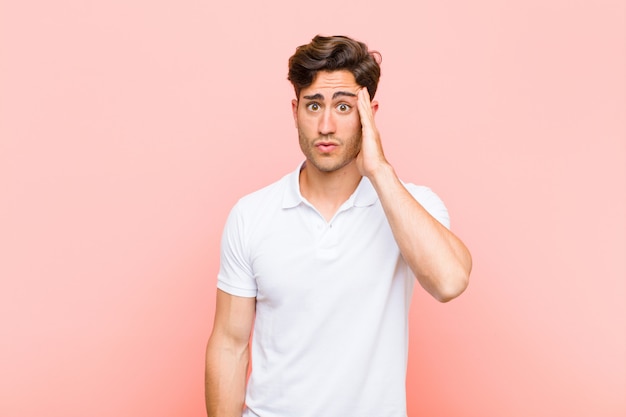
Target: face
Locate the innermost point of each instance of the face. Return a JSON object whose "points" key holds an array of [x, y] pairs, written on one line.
{"points": [[327, 119]]}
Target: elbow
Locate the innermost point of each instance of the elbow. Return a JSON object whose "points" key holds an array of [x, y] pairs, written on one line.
{"points": [[448, 280], [453, 286], [450, 293]]}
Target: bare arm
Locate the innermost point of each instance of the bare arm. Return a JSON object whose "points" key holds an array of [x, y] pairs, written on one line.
{"points": [[439, 259], [227, 355]]}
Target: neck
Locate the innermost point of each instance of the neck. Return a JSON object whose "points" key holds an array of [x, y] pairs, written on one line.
{"points": [[327, 191]]}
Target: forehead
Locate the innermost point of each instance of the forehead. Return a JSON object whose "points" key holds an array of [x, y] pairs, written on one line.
{"points": [[331, 81]]}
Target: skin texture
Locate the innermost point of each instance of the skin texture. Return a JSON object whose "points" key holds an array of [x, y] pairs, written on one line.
{"points": [[337, 133]]}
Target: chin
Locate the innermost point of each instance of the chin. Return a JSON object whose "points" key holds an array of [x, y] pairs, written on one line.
{"points": [[330, 166]]}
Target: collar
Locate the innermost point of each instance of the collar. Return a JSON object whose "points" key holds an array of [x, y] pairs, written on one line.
{"points": [[364, 195]]}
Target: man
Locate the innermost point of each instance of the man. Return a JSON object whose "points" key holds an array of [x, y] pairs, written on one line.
{"points": [[319, 267]]}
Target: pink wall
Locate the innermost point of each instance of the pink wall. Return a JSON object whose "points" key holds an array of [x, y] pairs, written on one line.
{"points": [[128, 129]]}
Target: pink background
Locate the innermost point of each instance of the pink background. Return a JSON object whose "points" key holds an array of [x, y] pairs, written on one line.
{"points": [[129, 128]]}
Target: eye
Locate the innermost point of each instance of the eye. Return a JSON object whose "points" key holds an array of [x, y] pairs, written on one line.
{"points": [[343, 107], [313, 106]]}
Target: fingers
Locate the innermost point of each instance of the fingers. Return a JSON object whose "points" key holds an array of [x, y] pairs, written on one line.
{"points": [[365, 108]]}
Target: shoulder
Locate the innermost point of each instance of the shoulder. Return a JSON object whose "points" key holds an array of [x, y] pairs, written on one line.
{"points": [[422, 192], [249, 211], [428, 199], [271, 195], [258, 207]]}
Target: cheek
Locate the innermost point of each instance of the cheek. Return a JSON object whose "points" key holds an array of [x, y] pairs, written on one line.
{"points": [[354, 123], [306, 122]]}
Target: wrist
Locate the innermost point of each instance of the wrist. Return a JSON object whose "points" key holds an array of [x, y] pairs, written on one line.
{"points": [[382, 173]]}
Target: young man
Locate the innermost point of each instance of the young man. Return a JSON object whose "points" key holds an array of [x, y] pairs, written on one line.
{"points": [[319, 267]]}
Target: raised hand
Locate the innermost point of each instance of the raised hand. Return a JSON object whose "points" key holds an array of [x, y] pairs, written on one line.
{"points": [[371, 158]]}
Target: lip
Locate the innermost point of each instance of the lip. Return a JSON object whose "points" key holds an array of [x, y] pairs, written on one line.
{"points": [[326, 147]]}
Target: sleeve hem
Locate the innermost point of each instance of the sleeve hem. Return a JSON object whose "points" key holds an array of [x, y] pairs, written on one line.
{"points": [[239, 292]]}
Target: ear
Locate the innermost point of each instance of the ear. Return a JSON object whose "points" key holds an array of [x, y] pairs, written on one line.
{"points": [[294, 110], [374, 107]]}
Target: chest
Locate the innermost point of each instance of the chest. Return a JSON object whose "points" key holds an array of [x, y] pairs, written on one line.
{"points": [[300, 256]]}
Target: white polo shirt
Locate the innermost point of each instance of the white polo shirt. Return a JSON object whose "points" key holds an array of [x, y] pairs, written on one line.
{"points": [[331, 331]]}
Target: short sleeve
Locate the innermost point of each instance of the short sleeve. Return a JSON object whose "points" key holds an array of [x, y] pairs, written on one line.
{"points": [[431, 202], [235, 276]]}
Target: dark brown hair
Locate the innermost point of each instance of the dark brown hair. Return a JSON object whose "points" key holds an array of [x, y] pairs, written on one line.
{"points": [[333, 53]]}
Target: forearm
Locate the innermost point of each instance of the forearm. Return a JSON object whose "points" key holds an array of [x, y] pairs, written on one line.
{"points": [[439, 260], [225, 378]]}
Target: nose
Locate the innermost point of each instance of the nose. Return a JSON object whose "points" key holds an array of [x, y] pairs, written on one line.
{"points": [[327, 123]]}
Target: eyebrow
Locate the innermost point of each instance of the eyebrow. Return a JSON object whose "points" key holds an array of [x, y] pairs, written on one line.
{"points": [[319, 96]]}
